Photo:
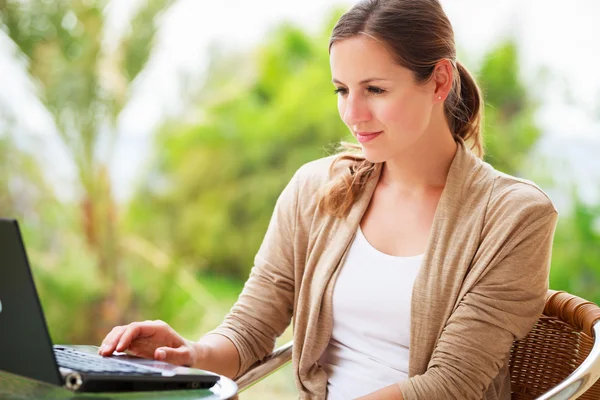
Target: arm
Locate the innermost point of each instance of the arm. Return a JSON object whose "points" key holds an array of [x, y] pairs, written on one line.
{"points": [[248, 333], [264, 308], [217, 354], [503, 305]]}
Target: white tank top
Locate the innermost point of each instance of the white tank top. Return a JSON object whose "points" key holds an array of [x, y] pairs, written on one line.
{"points": [[369, 345]]}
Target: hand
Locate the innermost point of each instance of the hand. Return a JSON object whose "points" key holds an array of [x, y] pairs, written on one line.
{"points": [[153, 340]]}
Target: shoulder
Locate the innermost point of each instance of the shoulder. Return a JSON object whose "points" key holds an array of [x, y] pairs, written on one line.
{"points": [[477, 185], [310, 178], [517, 208], [519, 195], [310, 182], [315, 174], [322, 168], [480, 187]]}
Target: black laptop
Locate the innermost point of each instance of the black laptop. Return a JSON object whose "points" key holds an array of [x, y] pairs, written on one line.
{"points": [[26, 348]]}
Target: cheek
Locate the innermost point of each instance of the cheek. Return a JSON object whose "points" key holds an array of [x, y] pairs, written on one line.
{"points": [[407, 114]]}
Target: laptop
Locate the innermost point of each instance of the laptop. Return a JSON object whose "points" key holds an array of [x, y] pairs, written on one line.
{"points": [[26, 348]]}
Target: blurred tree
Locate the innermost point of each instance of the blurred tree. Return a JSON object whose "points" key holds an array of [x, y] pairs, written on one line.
{"points": [[213, 185], [84, 85], [510, 131], [576, 252], [24, 185]]}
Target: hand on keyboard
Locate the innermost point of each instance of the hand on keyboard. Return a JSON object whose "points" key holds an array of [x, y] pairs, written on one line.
{"points": [[153, 340]]}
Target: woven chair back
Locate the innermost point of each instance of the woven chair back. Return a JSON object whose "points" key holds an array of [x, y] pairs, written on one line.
{"points": [[559, 342]]}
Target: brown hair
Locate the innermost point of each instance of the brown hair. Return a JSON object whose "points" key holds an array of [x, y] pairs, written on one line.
{"points": [[419, 35]]}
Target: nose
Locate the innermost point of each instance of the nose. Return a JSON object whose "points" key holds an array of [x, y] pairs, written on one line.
{"points": [[354, 110]]}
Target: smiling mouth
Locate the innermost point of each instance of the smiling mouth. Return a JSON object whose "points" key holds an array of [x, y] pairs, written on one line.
{"points": [[367, 136]]}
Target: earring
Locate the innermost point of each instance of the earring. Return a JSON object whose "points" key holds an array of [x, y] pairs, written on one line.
{"points": [[439, 97]]}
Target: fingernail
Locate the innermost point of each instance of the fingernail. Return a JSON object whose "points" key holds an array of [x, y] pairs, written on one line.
{"points": [[161, 355], [101, 349]]}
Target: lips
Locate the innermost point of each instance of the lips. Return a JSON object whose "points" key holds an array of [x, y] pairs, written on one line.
{"points": [[364, 137]]}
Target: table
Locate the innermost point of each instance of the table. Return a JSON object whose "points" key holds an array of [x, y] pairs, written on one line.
{"points": [[15, 387]]}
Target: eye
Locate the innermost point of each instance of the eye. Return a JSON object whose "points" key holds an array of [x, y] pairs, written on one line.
{"points": [[340, 91], [375, 90]]}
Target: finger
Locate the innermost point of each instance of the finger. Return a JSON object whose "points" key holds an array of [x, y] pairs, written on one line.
{"points": [[174, 355], [113, 336]]}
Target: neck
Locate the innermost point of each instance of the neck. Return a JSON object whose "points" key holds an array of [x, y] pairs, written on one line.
{"points": [[423, 167]]}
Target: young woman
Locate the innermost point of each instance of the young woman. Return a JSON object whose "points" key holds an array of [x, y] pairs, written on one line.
{"points": [[408, 266]]}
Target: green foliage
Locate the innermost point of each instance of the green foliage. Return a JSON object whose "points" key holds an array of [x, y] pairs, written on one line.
{"points": [[61, 41], [24, 186], [223, 175], [576, 252], [138, 42], [67, 281], [510, 131], [25, 189], [84, 86]]}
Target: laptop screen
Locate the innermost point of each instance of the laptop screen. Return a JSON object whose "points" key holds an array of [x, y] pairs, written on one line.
{"points": [[25, 345]]}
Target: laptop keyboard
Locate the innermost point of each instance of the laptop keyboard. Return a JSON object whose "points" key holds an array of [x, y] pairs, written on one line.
{"points": [[91, 363]]}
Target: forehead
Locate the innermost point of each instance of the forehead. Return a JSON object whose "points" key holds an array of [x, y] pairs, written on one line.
{"points": [[360, 55]]}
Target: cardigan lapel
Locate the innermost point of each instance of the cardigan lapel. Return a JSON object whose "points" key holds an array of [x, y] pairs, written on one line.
{"points": [[339, 233], [448, 255], [346, 228]]}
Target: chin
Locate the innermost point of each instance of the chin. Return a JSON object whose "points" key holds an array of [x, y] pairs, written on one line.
{"points": [[375, 156]]}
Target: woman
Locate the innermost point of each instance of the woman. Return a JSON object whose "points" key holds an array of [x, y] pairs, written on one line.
{"points": [[408, 267]]}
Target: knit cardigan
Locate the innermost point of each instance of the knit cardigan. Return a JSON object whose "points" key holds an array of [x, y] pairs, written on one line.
{"points": [[481, 285]]}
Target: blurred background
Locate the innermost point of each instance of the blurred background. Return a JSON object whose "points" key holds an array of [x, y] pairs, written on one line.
{"points": [[143, 144]]}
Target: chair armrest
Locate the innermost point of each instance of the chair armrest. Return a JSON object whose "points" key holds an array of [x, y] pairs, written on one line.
{"points": [[578, 312], [260, 370]]}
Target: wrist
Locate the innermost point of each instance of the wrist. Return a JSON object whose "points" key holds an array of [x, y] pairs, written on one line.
{"points": [[200, 354], [217, 353]]}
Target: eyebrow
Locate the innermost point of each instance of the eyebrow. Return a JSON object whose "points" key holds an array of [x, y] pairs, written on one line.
{"points": [[361, 82]]}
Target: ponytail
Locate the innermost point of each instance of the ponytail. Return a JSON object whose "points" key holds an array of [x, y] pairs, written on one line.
{"points": [[464, 110]]}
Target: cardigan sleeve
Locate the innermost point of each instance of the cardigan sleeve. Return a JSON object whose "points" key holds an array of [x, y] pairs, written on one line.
{"points": [[264, 308], [502, 306]]}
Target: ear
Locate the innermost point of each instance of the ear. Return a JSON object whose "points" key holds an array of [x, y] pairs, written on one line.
{"points": [[442, 78]]}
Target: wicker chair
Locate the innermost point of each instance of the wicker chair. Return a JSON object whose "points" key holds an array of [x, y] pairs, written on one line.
{"points": [[558, 359]]}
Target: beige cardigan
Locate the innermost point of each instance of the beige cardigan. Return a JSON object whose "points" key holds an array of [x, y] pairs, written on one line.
{"points": [[482, 283]]}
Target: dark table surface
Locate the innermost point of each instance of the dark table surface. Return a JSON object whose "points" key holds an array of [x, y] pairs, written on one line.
{"points": [[14, 387]]}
